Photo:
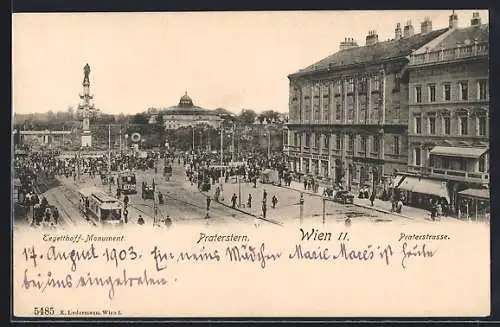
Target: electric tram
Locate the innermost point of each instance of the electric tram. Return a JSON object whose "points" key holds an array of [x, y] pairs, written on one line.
{"points": [[96, 204]]}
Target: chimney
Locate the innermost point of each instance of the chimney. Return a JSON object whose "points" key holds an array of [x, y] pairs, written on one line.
{"points": [[408, 29], [476, 20], [453, 20], [397, 31], [426, 26], [348, 43], [371, 38]]}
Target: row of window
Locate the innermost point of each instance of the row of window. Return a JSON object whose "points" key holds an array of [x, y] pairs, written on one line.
{"points": [[463, 125], [338, 110], [446, 163], [462, 88], [350, 144], [362, 87]]}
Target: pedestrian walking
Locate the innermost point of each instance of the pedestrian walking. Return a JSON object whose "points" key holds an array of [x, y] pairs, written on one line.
{"points": [[372, 197], [274, 201], [55, 214], [125, 215], [264, 209], [140, 220], [433, 211], [439, 209], [168, 222], [264, 196], [48, 214], [249, 201], [233, 200], [208, 204], [399, 206]]}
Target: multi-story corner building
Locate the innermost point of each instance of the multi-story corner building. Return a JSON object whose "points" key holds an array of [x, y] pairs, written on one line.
{"points": [[448, 128], [348, 113]]}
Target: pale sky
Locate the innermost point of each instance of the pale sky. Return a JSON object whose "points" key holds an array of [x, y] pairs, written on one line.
{"points": [[232, 60]]}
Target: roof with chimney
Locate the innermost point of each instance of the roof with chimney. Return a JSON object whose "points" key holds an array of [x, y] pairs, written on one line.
{"points": [[465, 36], [378, 52]]}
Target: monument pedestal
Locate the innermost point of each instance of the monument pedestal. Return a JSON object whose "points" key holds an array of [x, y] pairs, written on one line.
{"points": [[86, 139]]}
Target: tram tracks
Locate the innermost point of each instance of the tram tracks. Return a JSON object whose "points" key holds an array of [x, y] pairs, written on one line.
{"points": [[65, 191], [60, 206]]}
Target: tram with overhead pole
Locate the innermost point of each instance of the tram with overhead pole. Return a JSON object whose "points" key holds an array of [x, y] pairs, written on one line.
{"points": [[95, 203]]}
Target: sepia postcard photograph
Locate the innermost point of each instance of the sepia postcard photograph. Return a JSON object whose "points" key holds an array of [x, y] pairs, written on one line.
{"points": [[250, 164]]}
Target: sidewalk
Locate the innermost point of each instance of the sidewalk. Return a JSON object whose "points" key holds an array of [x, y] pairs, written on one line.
{"points": [[378, 205], [255, 210]]}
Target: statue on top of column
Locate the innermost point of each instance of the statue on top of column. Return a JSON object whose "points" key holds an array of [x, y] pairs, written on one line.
{"points": [[86, 71]]}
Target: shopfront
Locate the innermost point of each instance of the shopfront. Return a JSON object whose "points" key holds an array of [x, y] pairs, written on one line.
{"points": [[422, 192], [474, 204]]}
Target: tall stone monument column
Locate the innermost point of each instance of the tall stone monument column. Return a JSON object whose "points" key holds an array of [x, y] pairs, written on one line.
{"points": [[86, 109]]}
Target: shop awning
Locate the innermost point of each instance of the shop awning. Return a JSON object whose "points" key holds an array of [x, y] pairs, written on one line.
{"points": [[396, 181], [425, 186], [454, 151], [477, 193]]}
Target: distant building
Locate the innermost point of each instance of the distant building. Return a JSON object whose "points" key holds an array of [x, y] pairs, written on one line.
{"points": [[153, 115], [187, 114], [448, 131], [45, 138]]}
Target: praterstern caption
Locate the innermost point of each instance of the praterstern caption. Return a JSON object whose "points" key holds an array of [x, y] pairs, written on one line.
{"points": [[151, 265]]}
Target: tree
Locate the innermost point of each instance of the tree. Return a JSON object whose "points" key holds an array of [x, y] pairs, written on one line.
{"points": [[139, 119], [246, 117], [50, 116], [71, 112], [121, 118], [269, 115]]}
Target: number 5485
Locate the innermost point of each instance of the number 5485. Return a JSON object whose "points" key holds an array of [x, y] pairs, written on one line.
{"points": [[43, 311]]}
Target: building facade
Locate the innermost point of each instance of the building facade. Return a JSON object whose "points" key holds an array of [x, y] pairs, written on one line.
{"points": [[449, 108], [45, 138], [186, 114], [348, 113]]}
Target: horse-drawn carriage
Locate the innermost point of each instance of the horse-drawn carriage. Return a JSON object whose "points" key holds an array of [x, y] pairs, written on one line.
{"points": [[339, 195], [147, 191]]}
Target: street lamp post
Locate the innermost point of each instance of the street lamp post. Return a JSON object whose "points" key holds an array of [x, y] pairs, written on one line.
{"points": [[221, 146], [78, 165], [324, 209], [232, 143], [209, 148], [239, 190], [201, 140], [301, 207], [109, 158], [268, 143], [193, 140], [221, 160]]}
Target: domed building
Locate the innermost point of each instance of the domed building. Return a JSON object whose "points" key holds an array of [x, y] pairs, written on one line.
{"points": [[187, 114]]}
